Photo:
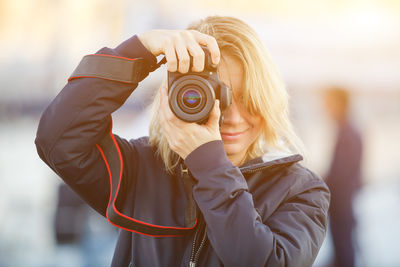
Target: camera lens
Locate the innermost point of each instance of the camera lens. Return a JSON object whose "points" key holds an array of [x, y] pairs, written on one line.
{"points": [[191, 98]]}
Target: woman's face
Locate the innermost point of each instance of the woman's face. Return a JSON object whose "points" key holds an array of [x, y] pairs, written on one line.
{"points": [[239, 129]]}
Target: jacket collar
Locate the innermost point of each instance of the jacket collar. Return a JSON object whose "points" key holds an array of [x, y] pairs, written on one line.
{"points": [[272, 158]]}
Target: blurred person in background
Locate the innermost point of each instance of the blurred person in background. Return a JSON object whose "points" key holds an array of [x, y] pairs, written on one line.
{"points": [[71, 211], [344, 175], [76, 229], [206, 194]]}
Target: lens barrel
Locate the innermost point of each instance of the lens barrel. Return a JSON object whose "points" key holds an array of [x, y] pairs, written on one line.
{"points": [[191, 98]]}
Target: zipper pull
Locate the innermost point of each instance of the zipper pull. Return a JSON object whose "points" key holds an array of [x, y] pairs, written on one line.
{"points": [[184, 170], [190, 209], [192, 264]]}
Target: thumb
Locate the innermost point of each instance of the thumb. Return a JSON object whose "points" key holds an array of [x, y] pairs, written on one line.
{"points": [[213, 120]]}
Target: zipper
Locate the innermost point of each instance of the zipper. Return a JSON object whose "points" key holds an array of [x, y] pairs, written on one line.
{"points": [[191, 262], [257, 169], [271, 164], [265, 167], [191, 208], [194, 256], [189, 216], [203, 241]]}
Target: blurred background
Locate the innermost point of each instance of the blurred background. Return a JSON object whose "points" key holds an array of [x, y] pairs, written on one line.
{"points": [[354, 44]]}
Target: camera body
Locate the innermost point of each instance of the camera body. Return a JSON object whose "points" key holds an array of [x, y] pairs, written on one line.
{"points": [[192, 95]]}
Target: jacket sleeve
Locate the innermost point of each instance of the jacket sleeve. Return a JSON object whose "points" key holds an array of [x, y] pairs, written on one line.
{"points": [[291, 236], [78, 118]]}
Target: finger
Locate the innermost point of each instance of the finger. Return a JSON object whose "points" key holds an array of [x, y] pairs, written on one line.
{"points": [[183, 55], [165, 122], [166, 116], [213, 120], [163, 101], [211, 44], [161, 107], [170, 55], [195, 51], [166, 111], [198, 57]]}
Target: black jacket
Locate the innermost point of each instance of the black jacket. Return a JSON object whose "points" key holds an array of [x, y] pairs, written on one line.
{"points": [[269, 212]]}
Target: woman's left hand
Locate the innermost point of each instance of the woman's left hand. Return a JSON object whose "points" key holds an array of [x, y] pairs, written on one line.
{"points": [[184, 137]]}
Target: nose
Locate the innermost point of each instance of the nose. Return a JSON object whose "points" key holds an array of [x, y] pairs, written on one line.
{"points": [[232, 113]]}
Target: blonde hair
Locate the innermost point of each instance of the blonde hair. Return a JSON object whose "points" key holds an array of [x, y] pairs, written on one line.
{"points": [[263, 93]]}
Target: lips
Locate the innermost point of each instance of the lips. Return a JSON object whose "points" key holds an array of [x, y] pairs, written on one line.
{"points": [[231, 136]]}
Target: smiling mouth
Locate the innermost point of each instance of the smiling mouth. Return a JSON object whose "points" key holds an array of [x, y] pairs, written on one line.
{"points": [[231, 136]]}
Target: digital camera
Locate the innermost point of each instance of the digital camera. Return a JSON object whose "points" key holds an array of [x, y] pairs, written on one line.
{"points": [[192, 95]]}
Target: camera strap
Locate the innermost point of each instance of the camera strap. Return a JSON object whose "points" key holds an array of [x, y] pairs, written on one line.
{"points": [[114, 68], [112, 157]]}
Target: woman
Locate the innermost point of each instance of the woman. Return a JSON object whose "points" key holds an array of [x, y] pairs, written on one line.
{"points": [[247, 201]]}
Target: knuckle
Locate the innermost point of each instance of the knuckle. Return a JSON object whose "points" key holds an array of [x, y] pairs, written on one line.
{"points": [[178, 141], [172, 145], [164, 127], [210, 38], [214, 40], [168, 117], [162, 124], [192, 32], [168, 42], [176, 36], [187, 34], [162, 119]]}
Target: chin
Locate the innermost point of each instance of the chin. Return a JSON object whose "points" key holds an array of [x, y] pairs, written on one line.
{"points": [[232, 149]]}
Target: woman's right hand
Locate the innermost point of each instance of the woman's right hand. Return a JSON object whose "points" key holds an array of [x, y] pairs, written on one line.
{"points": [[179, 45]]}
